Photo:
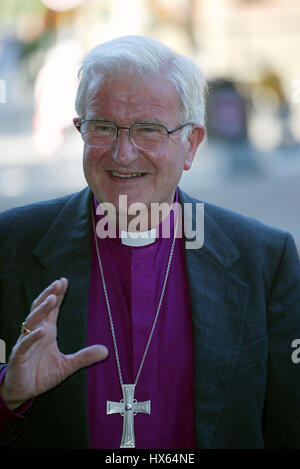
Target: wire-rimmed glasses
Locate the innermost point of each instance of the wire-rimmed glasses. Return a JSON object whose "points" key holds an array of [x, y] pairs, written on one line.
{"points": [[145, 136]]}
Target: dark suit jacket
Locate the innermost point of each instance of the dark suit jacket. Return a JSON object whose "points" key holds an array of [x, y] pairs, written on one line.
{"points": [[245, 296]]}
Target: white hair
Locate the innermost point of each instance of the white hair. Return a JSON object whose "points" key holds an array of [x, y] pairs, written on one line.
{"points": [[146, 57]]}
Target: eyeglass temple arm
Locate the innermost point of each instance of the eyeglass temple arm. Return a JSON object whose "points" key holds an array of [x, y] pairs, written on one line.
{"points": [[178, 128]]}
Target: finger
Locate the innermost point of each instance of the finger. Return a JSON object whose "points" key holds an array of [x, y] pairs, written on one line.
{"points": [[52, 299], [61, 294], [54, 288], [52, 317], [28, 340], [86, 357], [40, 313], [43, 295]]}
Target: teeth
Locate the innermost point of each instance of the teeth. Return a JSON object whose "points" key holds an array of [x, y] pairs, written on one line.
{"points": [[133, 175]]}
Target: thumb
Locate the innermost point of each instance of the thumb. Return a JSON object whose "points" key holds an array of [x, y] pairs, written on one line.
{"points": [[86, 357]]}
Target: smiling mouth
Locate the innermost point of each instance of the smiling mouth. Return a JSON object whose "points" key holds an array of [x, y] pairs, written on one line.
{"points": [[126, 176]]}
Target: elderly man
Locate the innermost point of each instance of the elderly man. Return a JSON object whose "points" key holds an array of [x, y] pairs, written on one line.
{"points": [[140, 339]]}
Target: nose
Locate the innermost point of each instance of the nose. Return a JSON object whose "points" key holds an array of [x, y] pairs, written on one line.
{"points": [[123, 151]]}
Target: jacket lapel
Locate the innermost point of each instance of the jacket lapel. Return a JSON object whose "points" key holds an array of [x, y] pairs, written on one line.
{"points": [[64, 251], [218, 299]]}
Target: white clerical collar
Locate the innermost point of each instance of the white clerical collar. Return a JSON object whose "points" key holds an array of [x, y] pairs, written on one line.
{"points": [[138, 238]]}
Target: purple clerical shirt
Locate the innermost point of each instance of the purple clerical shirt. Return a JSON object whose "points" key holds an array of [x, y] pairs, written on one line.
{"points": [[134, 277]]}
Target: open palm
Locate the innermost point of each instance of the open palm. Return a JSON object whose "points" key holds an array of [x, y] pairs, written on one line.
{"points": [[36, 364]]}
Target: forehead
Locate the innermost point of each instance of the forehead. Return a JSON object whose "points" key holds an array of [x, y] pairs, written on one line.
{"points": [[127, 96]]}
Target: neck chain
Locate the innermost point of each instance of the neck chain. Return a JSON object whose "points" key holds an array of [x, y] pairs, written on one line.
{"points": [[128, 407]]}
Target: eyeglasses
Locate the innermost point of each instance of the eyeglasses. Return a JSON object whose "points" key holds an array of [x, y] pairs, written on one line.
{"points": [[145, 136]]}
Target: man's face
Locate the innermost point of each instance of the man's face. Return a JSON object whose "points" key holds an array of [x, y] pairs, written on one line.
{"points": [[126, 100]]}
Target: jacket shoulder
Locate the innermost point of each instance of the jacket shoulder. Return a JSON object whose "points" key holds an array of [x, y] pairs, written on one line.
{"points": [[250, 236], [20, 225], [233, 222]]}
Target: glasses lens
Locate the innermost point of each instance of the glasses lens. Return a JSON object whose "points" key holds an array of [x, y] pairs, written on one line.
{"points": [[98, 134], [149, 136]]}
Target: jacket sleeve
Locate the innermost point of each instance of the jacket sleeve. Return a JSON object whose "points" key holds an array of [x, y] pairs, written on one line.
{"points": [[11, 422], [282, 404]]}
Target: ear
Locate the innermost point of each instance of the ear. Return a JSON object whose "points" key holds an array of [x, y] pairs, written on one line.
{"points": [[76, 122], [194, 139]]}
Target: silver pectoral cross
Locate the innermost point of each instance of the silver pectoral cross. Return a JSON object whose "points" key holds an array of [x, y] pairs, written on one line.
{"points": [[128, 407]]}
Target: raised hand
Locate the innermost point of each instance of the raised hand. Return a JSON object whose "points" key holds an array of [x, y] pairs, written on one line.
{"points": [[36, 364]]}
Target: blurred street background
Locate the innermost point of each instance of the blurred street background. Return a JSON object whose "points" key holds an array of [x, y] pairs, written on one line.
{"points": [[248, 51]]}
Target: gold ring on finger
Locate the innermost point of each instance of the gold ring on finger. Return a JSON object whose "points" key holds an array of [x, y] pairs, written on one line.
{"points": [[24, 329]]}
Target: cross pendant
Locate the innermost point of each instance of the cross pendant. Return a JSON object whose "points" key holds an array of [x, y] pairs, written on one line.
{"points": [[128, 407]]}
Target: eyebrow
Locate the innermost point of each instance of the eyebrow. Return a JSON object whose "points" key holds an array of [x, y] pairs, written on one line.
{"points": [[141, 121]]}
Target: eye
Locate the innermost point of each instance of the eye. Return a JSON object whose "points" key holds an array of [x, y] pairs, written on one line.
{"points": [[102, 127], [148, 131], [99, 128]]}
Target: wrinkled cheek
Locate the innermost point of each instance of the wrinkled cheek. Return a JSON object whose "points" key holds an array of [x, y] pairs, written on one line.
{"points": [[86, 166], [91, 169], [91, 161], [90, 157]]}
